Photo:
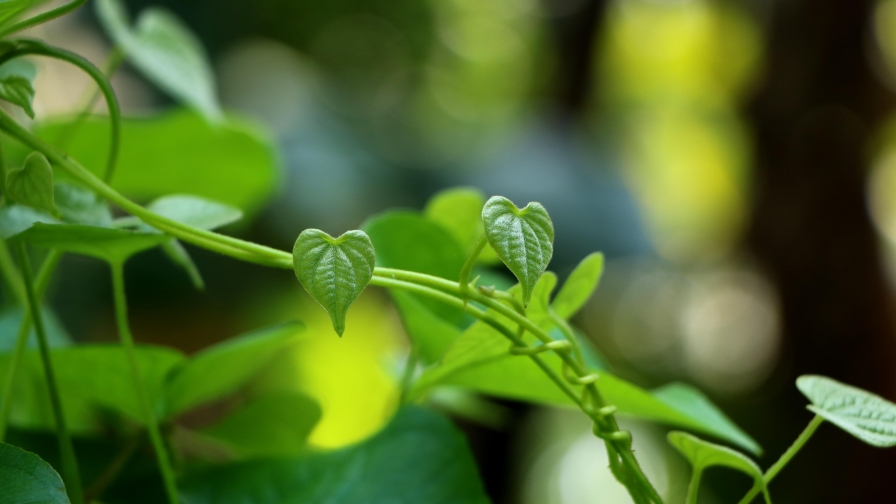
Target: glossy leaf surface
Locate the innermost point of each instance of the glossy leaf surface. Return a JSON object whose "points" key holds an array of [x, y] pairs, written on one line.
{"points": [[866, 416], [419, 457], [164, 49], [32, 184], [334, 270], [25, 478], [579, 286], [523, 239]]}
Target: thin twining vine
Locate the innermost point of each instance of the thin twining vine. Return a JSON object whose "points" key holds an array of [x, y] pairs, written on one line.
{"points": [[70, 472], [26, 47], [623, 463]]}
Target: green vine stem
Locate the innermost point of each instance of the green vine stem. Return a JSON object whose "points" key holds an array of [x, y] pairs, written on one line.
{"points": [[25, 47], [42, 18], [627, 469], [70, 472], [694, 487], [785, 458], [149, 415], [40, 285]]}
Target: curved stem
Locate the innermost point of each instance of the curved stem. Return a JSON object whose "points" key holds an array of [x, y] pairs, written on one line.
{"points": [[467, 268], [785, 458], [149, 415], [26, 47], [71, 474], [42, 18], [694, 487], [445, 290], [40, 285]]}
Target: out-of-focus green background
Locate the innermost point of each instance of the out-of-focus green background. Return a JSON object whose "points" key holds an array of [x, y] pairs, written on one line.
{"points": [[734, 159]]}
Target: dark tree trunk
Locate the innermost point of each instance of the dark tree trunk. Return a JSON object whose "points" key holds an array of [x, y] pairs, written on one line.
{"points": [[812, 119]]}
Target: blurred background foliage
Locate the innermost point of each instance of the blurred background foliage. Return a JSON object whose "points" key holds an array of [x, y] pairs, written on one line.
{"points": [[643, 126]]}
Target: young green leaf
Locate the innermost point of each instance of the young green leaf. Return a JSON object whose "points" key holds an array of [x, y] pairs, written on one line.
{"points": [[418, 458], [166, 52], [27, 478], [703, 454], [32, 184], [334, 270], [107, 244], [18, 90], [579, 286], [523, 239], [866, 416], [273, 425]]}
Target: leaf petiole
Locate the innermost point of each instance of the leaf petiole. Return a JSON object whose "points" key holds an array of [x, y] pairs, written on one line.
{"points": [[149, 415], [70, 471]]}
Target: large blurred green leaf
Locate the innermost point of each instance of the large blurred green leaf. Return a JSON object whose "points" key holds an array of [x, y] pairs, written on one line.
{"points": [[273, 425], [90, 376], [9, 9], [410, 241], [166, 52], [431, 334], [26, 479], [107, 244], [459, 210], [177, 153], [225, 367], [479, 360], [198, 212], [418, 458], [11, 320]]}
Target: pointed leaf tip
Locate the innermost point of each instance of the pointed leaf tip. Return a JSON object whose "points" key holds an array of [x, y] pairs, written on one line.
{"points": [[523, 239], [334, 270]]}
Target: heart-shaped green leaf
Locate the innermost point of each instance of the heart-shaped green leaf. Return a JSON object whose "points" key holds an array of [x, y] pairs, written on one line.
{"points": [[166, 52], [18, 90], [523, 239], [703, 454], [27, 478], [579, 286], [866, 416], [419, 458], [334, 270], [32, 184]]}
